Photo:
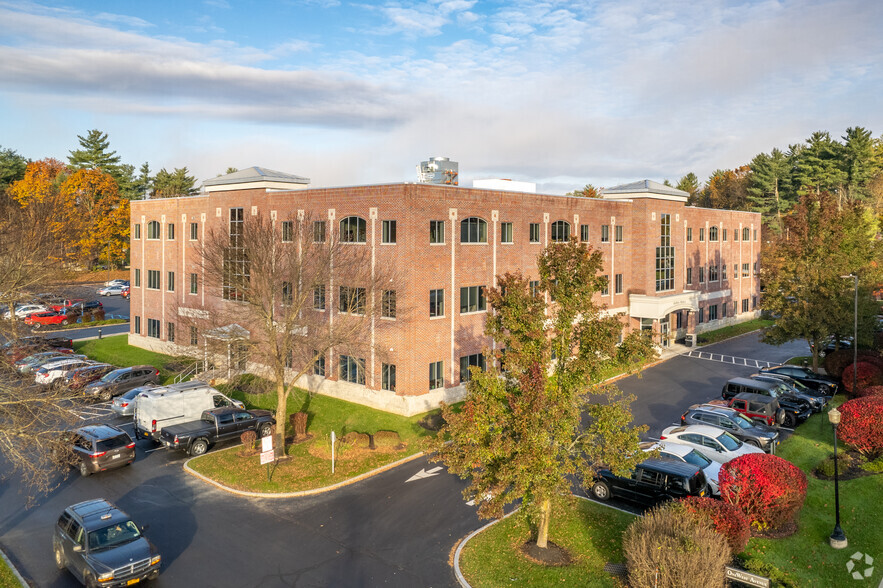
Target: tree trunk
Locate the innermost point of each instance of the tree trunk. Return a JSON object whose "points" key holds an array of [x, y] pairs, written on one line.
{"points": [[543, 530], [281, 416], [815, 356]]}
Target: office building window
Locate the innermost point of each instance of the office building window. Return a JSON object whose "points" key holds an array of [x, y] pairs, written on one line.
{"points": [[388, 306], [136, 278], [689, 275], [689, 234], [170, 285], [236, 273], [287, 231], [352, 300], [194, 284], [319, 297], [287, 294], [725, 235], [352, 230], [388, 377], [584, 233], [153, 230], [534, 286], [534, 232], [744, 305], [702, 234], [724, 272], [618, 233], [318, 231], [170, 332], [436, 303], [352, 369], [473, 230], [436, 375], [755, 234], [436, 232], [468, 361], [318, 364], [138, 325], [171, 232], [701, 315], [753, 302], [712, 273], [712, 312], [735, 234], [153, 278], [746, 234], [723, 310], [472, 299], [744, 270], [701, 274], [665, 256], [617, 280], [506, 233], [388, 232], [560, 231], [194, 336], [153, 328], [194, 231], [605, 288], [136, 231], [712, 235], [605, 233]]}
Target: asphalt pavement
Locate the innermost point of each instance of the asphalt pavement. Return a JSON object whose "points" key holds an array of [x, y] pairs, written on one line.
{"points": [[385, 530]]}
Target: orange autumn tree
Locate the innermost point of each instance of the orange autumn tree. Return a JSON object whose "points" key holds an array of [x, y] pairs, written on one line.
{"points": [[39, 195], [97, 216]]}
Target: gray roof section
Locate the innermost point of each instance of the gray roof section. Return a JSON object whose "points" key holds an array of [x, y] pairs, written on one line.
{"points": [[647, 186], [256, 174]]}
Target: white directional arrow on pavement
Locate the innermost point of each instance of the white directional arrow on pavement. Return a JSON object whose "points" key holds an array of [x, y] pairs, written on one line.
{"points": [[423, 473]]}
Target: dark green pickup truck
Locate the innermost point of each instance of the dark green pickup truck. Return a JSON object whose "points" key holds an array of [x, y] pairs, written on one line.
{"points": [[219, 424]]}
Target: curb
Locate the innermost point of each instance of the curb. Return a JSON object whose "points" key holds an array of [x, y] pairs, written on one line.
{"points": [[312, 492], [459, 575], [14, 570]]}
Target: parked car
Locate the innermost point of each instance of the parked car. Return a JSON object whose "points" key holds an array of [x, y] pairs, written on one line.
{"points": [[59, 304], [92, 309], [731, 420], [114, 290], [219, 424], [711, 469], [124, 405], [24, 310], [653, 481], [54, 371], [121, 380], [174, 404], [77, 379], [24, 346], [26, 364], [769, 410], [715, 444], [822, 383], [97, 448], [40, 320], [102, 546], [125, 293], [775, 389], [832, 344], [815, 400], [117, 282]]}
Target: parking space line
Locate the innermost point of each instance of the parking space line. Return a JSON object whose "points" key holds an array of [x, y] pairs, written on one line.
{"points": [[746, 361]]}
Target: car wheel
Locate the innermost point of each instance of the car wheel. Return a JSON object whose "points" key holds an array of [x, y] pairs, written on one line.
{"points": [[105, 395], [59, 558], [752, 442], [199, 447], [790, 420], [84, 469], [266, 430], [90, 582], [601, 491], [65, 323]]}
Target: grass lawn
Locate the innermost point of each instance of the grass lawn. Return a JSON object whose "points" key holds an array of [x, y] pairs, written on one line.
{"points": [[310, 466], [589, 531], [733, 330], [7, 579], [117, 351], [806, 556]]}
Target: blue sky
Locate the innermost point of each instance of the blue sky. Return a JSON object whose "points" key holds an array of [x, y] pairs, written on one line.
{"points": [[557, 93]]}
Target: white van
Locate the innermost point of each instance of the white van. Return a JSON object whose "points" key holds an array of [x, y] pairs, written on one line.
{"points": [[176, 403]]}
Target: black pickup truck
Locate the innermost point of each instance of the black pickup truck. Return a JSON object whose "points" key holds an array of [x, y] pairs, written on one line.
{"points": [[218, 424]]}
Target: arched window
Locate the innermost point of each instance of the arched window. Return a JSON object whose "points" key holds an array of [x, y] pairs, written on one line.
{"points": [[560, 231], [153, 230], [352, 230], [473, 230], [712, 233]]}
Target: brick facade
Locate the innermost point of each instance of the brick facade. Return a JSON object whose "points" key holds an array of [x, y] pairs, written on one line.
{"points": [[415, 339]]}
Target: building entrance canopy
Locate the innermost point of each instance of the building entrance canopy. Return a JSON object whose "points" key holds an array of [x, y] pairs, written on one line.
{"points": [[659, 307]]}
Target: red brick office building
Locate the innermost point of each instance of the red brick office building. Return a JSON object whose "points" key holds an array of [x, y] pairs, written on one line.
{"points": [[672, 268]]}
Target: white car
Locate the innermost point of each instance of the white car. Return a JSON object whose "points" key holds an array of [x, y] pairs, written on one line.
{"points": [[117, 282], [715, 444], [677, 452], [114, 290], [26, 309], [57, 369]]}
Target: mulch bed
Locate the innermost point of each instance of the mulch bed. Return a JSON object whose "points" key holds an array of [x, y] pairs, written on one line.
{"points": [[432, 422], [849, 467], [552, 555], [786, 530]]}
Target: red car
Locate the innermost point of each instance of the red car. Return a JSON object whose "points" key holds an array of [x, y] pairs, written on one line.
{"points": [[60, 305], [125, 293], [41, 319]]}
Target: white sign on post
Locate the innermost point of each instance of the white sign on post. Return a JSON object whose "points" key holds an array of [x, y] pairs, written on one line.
{"points": [[266, 443], [267, 456]]}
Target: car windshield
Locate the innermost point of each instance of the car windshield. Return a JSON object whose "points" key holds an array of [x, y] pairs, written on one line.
{"points": [[800, 386], [132, 393], [697, 459], [782, 389], [728, 441], [111, 376], [743, 421], [113, 535]]}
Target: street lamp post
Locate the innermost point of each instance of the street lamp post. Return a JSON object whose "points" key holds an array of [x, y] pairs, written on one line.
{"points": [[838, 537]]}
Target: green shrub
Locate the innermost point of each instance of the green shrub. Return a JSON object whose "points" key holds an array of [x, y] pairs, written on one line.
{"points": [[387, 439], [777, 577], [671, 548]]}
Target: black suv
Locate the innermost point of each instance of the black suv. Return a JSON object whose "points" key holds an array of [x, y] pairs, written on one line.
{"points": [[732, 421], [776, 390], [652, 482], [122, 380], [816, 400], [102, 546], [820, 382], [100, 447]]}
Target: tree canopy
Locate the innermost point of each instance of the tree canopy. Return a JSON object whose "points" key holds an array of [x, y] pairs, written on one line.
{"points": [[172, 184]]}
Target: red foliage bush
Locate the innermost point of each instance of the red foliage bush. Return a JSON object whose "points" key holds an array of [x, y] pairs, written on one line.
{"points": [[869, 391], [861, 425], [768, 489], [867, 374], [725, 518], [837, 361]]}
